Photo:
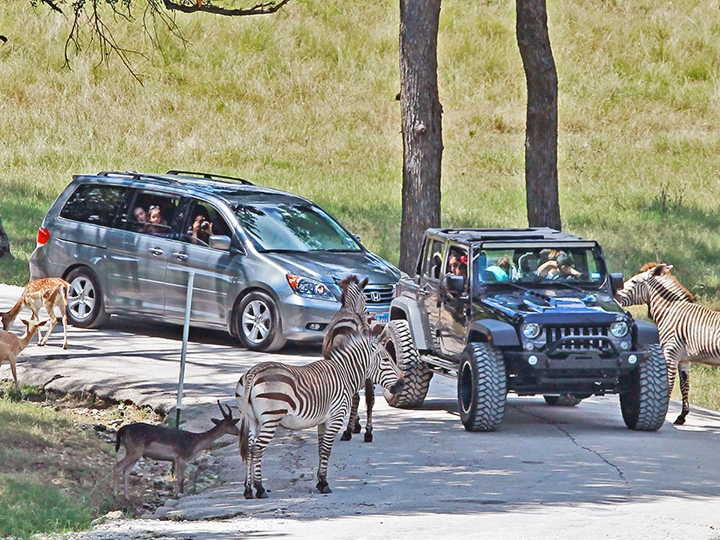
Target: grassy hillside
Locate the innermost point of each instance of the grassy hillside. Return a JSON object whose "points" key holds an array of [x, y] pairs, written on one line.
{"points": [[304, 100]]}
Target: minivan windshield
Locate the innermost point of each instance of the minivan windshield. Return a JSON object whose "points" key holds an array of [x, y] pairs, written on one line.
{"points": [[293, 227]]}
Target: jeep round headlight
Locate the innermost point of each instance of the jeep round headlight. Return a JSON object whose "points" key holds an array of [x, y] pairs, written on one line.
{"points": [[619, 329], [531, 330]]}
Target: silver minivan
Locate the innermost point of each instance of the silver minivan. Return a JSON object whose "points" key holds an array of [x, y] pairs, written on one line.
{"points": [[266, 264]]}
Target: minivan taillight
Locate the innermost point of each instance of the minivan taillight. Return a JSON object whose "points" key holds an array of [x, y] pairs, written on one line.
{"points": [[43, 236]]}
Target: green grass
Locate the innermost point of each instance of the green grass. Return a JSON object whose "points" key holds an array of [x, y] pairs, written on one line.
{"points": [[53, 477]]}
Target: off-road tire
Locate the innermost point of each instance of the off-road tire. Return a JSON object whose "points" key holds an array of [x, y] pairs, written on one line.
{"points": [[482, 387], [397, 339], [257, 322], [644, 393], [563, 400], [85, 299]]}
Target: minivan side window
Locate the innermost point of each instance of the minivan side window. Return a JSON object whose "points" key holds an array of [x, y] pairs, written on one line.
{"points": [[94, 204], [153, 213], [204, 222]]}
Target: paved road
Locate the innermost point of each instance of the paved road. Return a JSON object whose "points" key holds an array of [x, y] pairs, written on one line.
{"points": [[547, 473]]}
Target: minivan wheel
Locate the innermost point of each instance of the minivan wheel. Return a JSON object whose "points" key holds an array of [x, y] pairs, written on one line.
{"points": [[258, 323], [85, 300]]}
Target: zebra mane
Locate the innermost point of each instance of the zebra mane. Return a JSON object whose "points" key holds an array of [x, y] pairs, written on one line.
{"points": [[663, 270]]}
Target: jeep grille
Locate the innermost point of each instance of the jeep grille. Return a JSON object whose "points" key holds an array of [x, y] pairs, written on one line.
{"points": [[578, 338]]}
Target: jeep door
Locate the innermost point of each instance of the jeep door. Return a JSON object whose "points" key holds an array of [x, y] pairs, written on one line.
{"points": [[429, 286], [212, 268], [453, 305]]}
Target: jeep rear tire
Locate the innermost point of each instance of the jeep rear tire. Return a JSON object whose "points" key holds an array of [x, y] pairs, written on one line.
{"points": [[482, 387], [397, 339], [644, 393]]}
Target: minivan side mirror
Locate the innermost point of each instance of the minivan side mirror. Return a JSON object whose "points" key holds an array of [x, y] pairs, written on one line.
{"points": [[617, 281], [220, 241]]}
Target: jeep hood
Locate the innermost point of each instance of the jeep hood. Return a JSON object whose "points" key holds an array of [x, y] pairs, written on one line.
{"points": [[331, 266], [554, 306]]}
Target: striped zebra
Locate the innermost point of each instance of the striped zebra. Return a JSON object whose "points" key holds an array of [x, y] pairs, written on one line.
{"points": [[352, 318], [273, 394], [688, 332]]}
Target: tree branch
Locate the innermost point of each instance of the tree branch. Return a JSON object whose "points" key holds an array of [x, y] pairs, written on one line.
{"points": [[258, 9]]}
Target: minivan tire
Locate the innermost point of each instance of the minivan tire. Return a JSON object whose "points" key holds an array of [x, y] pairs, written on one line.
{"points": [[85, 300], [257, 322]]}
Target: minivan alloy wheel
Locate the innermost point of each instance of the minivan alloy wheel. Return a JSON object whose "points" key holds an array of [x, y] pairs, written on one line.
{"points": [[256, 321]]}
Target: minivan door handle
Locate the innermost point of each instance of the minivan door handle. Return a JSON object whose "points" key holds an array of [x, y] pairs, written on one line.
{"points": [[181, 256], [156, 251]]}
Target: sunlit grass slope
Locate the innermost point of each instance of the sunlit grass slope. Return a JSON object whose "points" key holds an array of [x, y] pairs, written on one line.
{"points": [[304, 100]]}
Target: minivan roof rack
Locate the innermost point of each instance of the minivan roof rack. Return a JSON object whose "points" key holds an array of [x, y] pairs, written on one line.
{"points": [[210, 176]]}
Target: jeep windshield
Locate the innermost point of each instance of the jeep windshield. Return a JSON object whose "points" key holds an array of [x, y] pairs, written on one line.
{"points": [[580, 263], [288, 226]]}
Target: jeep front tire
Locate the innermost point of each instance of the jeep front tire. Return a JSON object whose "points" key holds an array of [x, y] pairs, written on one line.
{"points": [[397, 339], [482, 387], [644, 393]]}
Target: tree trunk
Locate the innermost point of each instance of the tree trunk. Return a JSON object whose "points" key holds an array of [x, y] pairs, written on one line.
{"points": [[541, 177], [421, 125], [4, 242]]}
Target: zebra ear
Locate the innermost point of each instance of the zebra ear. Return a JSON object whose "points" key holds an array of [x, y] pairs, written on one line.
{"points": [[364, 283], [661, 269]]}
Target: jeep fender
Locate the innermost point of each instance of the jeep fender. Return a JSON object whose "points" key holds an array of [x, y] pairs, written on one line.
{"points": [[500, 334], [646, 333], [407, 309]]}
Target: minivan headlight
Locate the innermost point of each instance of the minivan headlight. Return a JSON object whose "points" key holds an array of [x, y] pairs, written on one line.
{"points": [[310, 288], [619, 329], [531, 330]]}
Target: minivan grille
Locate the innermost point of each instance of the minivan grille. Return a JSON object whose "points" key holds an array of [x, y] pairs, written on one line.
{"points": [[578, 338], [378, 294]]}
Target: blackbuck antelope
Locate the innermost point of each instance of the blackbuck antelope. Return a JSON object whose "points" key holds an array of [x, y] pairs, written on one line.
{"points": [[318, 394], [11, 345], [166, 444], [48, 292]]}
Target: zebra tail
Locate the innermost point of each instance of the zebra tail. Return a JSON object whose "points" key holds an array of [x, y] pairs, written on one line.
{"points": [[246, 381]]}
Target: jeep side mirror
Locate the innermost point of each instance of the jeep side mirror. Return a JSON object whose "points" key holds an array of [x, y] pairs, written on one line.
{"points": [[454, 283], [617, 281]]}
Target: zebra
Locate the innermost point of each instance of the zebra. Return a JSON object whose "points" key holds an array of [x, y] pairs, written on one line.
{"points": [[318, 394], [352, 318], [688, 332]]}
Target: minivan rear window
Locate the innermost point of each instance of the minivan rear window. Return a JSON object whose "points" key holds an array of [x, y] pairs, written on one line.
{"points": [[94, 204]]}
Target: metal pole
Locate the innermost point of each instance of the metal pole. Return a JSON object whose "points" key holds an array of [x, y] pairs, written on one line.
{"points": [[186, 332]]}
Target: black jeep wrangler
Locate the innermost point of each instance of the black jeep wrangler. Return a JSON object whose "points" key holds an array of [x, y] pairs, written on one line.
{"points": [[529, 311]]}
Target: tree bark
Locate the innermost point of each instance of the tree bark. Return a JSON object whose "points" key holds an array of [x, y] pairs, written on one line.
{"points": [[541, 132], [421, 125], [4, 242]]}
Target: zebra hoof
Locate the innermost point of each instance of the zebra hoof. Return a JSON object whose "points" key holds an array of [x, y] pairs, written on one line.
{"points": [[346, 436], [357, 428], [368, 436], [248, 493], [323, 487], [680, 420]]}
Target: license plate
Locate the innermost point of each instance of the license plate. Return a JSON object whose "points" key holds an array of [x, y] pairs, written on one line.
{"points": [[382, 318]]}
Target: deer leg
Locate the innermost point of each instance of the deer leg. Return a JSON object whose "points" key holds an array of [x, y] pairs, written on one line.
{"points": [[179, 475], [353, 425], [123, 467], [684, 371], [14, 374], [53, 321], [326, 437], [369, 404]]}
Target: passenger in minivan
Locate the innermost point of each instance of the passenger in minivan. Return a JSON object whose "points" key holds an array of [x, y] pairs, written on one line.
{"points": [[156, 222], [202, 228], [140, 215]]}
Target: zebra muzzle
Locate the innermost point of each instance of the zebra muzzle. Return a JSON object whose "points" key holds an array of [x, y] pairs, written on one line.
{"points": [[397, 387]]}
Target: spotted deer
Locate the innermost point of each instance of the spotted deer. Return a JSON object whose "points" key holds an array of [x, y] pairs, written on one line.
{"points": [[48, 292], [11, 345]]}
